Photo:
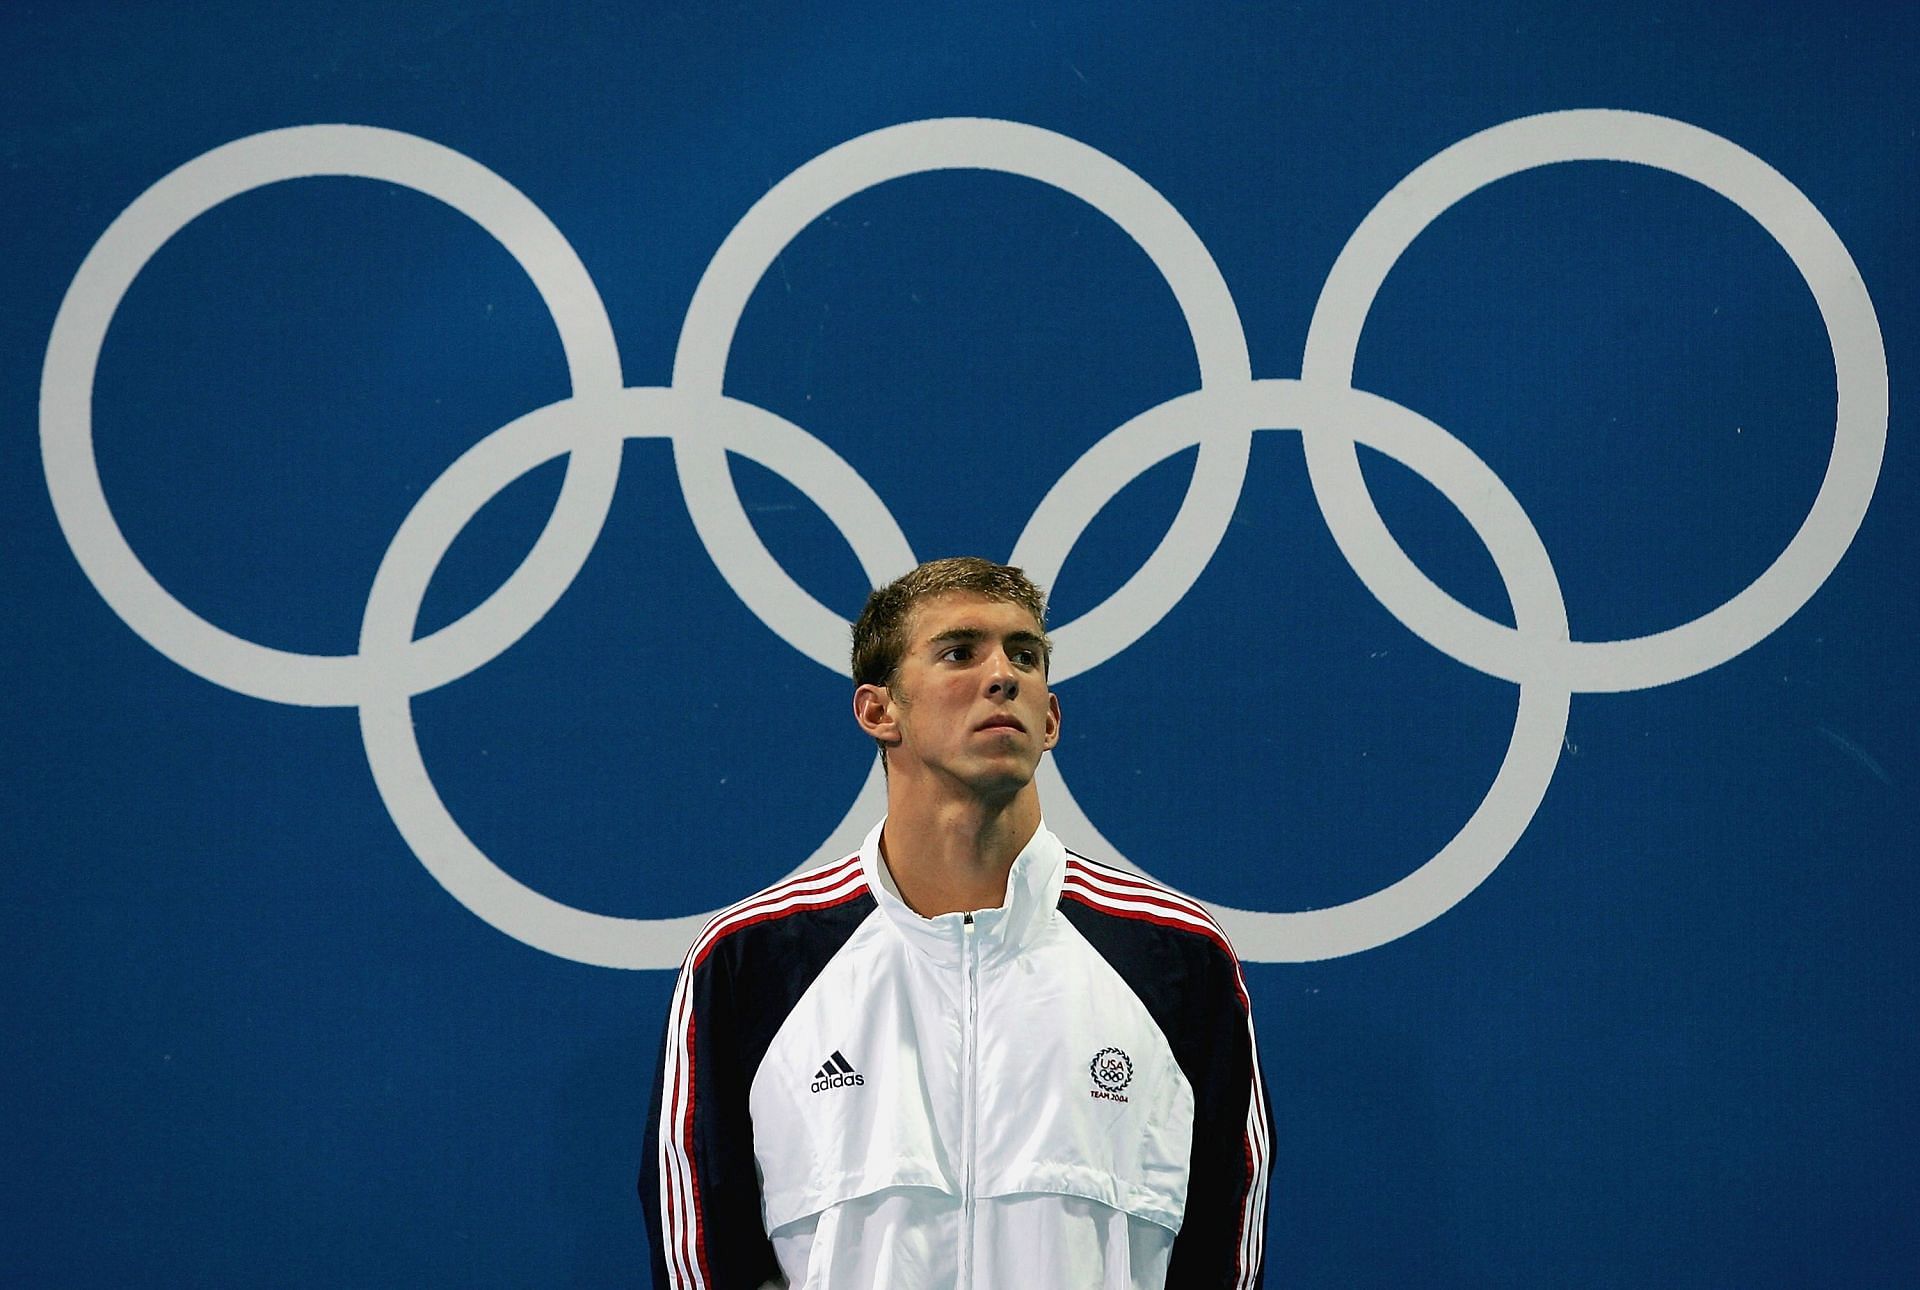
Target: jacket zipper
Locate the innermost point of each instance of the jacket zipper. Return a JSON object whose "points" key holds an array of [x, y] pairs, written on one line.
{"points": [[967, 1109]]}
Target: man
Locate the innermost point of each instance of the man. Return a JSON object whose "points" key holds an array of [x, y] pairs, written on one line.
{"points": [[963, 1056]]}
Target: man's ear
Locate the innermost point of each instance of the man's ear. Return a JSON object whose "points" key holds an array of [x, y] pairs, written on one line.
{"points": [[1051, 735], [873, 709]]}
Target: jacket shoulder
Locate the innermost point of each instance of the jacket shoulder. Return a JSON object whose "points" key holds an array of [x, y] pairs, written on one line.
{"points": [[1166, 946], [754, 960], [1145, 909], [816, 909]]}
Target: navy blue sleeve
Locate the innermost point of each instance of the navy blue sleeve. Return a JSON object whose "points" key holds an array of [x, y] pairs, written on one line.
{"points": [[1190, 984], [705, 1210]]}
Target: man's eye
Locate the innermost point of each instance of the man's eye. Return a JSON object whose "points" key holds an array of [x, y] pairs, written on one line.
{"points": [[1026, 657], [958, 653]]}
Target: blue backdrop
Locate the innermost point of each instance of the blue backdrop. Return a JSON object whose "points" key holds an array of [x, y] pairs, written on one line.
{"points": [[334, 959]]}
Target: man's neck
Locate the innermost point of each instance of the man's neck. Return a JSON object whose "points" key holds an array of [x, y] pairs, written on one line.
{"points": [[953, 856]]}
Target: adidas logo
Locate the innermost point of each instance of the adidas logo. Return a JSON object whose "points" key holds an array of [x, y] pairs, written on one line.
{"points": [[838, 1072]]}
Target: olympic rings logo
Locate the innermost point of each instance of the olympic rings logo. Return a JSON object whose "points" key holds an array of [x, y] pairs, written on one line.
{"points": [[703, 426]]}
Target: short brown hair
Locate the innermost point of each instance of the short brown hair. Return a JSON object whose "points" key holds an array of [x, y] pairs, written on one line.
{"points": [[880, 635]]}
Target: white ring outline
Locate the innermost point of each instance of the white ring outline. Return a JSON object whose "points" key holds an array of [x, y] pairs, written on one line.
{"points": [[79, 332], [390, 666], [962, 143], [469, 875], [1860, 415], [1496, 517]]}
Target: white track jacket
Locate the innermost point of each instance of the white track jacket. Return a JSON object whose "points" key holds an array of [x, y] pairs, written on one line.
{"points": [[1059, 1094]]}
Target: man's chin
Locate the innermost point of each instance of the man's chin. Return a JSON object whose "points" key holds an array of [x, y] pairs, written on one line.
{"points": [[1002, 780]]}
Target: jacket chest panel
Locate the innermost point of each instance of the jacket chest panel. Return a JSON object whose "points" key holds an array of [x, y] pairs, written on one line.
{"points": [[1036, 1071]]}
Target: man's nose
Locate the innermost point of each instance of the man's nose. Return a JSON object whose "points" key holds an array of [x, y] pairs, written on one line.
{"points": [[1002, 680]]}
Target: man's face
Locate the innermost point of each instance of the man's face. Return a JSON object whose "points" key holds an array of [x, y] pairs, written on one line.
{"points": [[970, 700]]}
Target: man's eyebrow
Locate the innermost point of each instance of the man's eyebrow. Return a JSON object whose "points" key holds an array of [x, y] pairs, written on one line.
{"points": [[969, 634], [1025, 637]]}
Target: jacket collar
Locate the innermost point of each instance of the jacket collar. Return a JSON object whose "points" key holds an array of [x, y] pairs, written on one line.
{"points": [[1033, 890]]}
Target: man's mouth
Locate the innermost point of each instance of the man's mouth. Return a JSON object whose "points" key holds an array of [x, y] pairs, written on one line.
{"points": [[1002, 723]]}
